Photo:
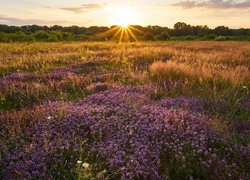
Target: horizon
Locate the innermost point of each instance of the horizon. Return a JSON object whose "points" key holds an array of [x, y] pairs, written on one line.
{"points": [[165, 13], [49, 26]]}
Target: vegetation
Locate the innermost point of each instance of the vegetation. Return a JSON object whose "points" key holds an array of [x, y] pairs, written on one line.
{"points": [[106, 110], [181, 31]]}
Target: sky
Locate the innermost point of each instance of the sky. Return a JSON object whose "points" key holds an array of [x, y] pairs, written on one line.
{"points": [[232, 13]]}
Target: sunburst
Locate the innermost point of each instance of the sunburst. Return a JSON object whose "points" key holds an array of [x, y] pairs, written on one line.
{"points": [[121, 33], [123, 17]]}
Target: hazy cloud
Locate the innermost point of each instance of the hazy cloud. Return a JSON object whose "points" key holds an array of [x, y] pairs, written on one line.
{"points": [[214, 4], [83, 8], [20, 22]]}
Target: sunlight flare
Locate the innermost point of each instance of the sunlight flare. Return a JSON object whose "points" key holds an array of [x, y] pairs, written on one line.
{"points": [[124, 16]]}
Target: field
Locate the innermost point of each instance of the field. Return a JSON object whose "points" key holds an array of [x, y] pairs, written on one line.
{"points": [[143, 110]]}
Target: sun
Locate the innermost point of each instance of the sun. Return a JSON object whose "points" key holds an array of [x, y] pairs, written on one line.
{"points": [[124, 16], [122, 19]]}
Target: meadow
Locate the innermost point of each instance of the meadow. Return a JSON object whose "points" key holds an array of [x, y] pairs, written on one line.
{"points": [[141, 110]]}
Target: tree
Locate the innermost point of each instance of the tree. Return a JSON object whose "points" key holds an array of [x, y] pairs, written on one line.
{"points": [[182, 29], [19, 37], [149, 36], [66, 35], [164, 36], [180, 26], [222, 31], [3, 37], [55, 36], [41, 35]]}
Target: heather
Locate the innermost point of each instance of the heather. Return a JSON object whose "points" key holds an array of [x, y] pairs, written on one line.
{"points": [[136, 136], [176, 110]]}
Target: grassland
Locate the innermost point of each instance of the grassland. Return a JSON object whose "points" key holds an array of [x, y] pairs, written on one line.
{"points": [[51, 93]]}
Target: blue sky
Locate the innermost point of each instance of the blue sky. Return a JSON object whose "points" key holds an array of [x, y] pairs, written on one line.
{"points": [[232, 13]]}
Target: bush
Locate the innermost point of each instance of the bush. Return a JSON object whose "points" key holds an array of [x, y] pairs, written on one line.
{"points": [[81, 37], [164, 36], [41, 35], [210, 36], [189, 38], [3, 37], [55, 36], [19, 37], [66, 36], [220, 38], [149, 37]]}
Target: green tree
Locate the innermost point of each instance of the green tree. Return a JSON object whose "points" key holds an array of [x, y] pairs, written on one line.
{"points": [[222, 31], [41, 35], [20, 37], [3, 37], [164, 36], [55, 36], [66, 36], [149, 36]]}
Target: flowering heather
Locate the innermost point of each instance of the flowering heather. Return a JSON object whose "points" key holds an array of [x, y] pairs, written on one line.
{"points": [[138, 138], [19, 76], [96, 87], [15, 122], [24, 76], [191, 104], [58, 74], [242, 126]]}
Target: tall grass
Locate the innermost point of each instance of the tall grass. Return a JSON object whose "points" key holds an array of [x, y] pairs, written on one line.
{"points": [[39, 83], [180, 71]]}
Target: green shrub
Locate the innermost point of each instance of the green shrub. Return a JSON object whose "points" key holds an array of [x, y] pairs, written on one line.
{"points": [[41, 35], [164, 36], [189, 38], [149, 37], [19, 37], [210, 36], [66, 36], [220, 38], [3, 37], [55, 36]]}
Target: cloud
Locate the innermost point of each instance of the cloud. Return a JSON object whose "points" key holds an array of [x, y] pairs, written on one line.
{"points": [[83, 8], [214, 4], [17, 21]]}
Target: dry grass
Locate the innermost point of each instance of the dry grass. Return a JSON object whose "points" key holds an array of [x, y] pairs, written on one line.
{"points": [[185, 68], [238, 76]]}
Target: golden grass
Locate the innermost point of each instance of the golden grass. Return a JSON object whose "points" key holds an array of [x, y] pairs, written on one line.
{"points": [[226, 64], [173, 70]]}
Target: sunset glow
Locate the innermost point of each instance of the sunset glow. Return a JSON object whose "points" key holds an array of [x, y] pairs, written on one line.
{"points": [[213, 13], [123, 16]]}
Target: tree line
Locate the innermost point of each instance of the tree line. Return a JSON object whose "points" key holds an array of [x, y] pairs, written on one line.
{"points": [[180, 31]]}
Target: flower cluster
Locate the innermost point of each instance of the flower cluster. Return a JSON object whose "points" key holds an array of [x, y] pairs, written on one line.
{"points": [[24, 76], [139, 138]]}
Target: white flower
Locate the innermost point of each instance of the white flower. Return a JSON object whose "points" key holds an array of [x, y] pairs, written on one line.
{"points": [[85, 165], [79, 162], [49, 117]]}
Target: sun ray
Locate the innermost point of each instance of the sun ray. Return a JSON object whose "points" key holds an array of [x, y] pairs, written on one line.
{"points": [[122, 16], [117, 33], [121, 36], [132, 34], [106, 33], [127, 35], [136, 29], [121, 33]]}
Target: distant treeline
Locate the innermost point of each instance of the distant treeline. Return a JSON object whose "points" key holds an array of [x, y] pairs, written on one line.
{"points": [[181, 31]]}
